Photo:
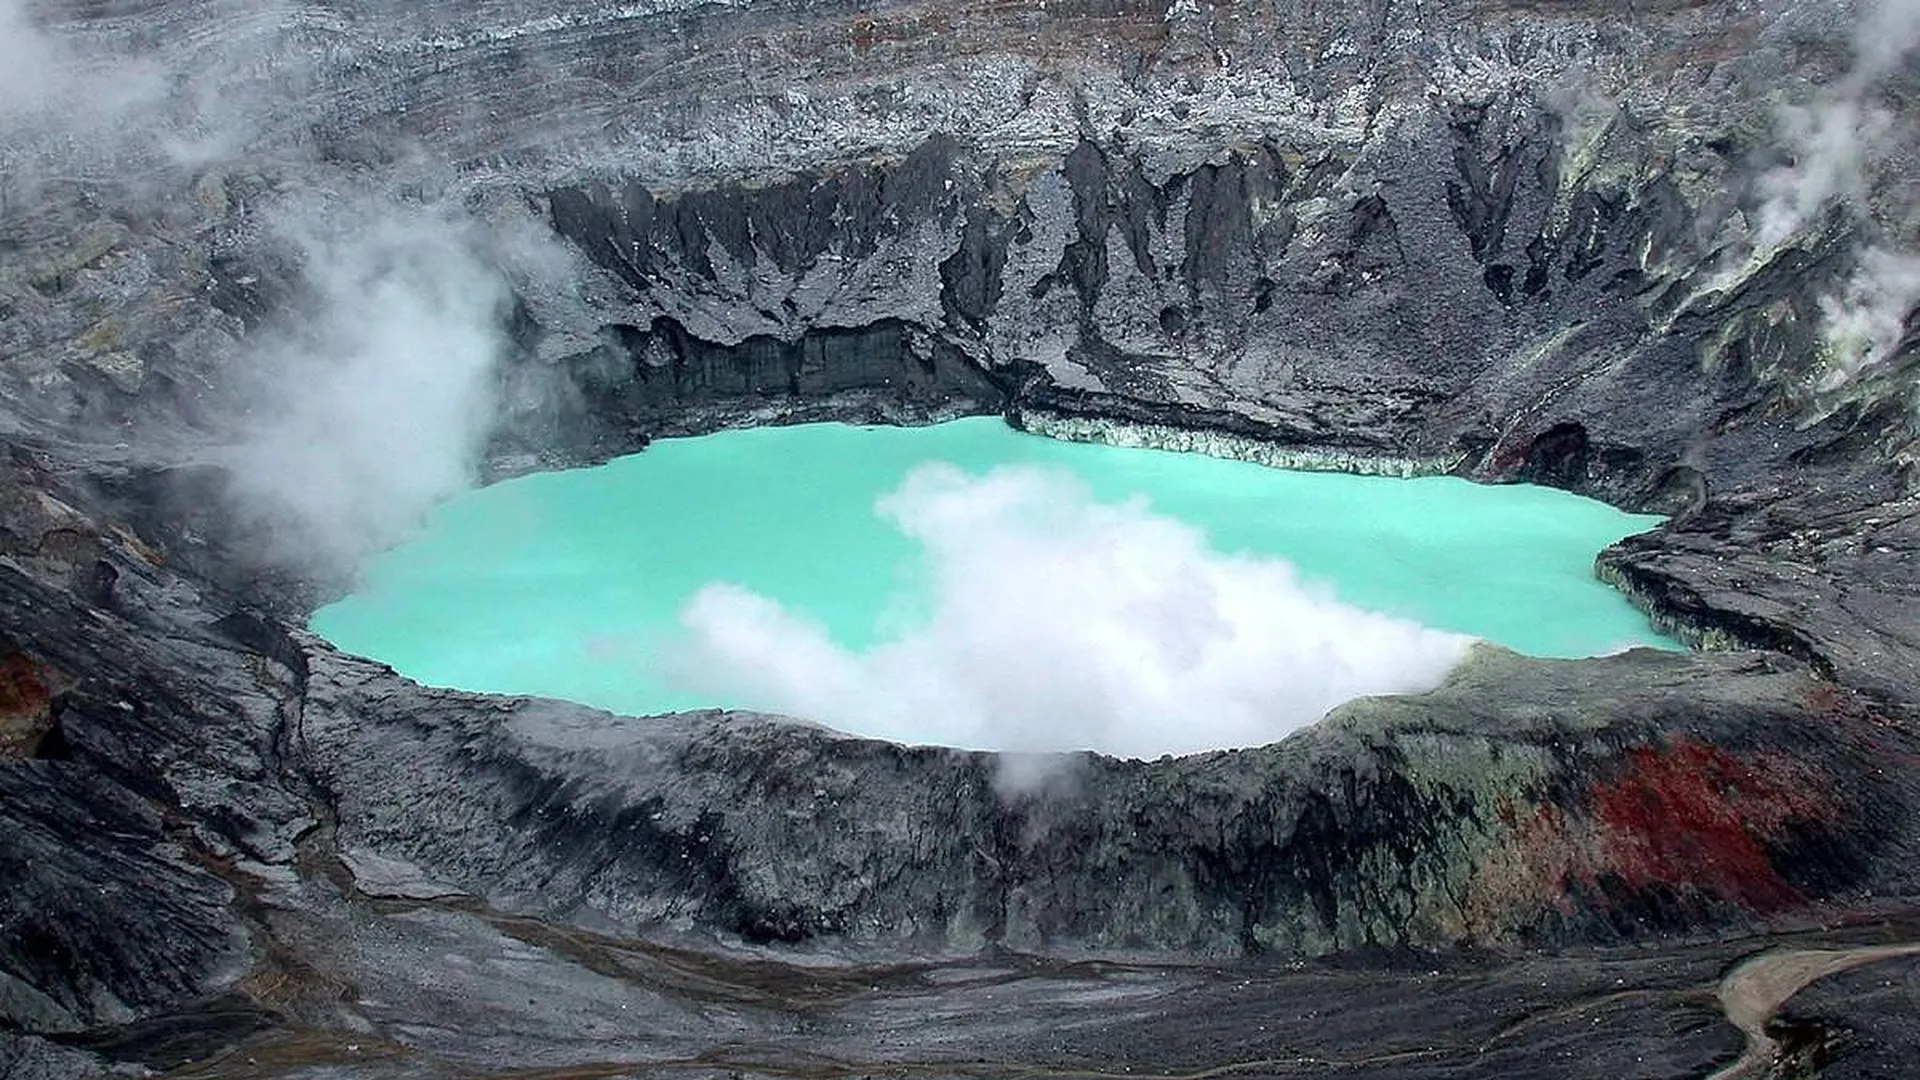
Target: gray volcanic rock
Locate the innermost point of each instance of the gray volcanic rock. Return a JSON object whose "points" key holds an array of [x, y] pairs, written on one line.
{"points": [[1508, 241], [1822, 575], [1484, 811], [1866, 1042], [106, 918]]}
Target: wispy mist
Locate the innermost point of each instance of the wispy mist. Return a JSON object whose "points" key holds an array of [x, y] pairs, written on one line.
{"points": [[374, 402], [29, 61], [1057, 622], [71, 107], [62, 82]]}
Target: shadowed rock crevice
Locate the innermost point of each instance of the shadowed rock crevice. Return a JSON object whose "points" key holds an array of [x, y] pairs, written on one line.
{"points": [[662, 380]]}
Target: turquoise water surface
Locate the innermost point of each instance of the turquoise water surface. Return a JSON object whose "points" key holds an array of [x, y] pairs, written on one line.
{"points": [[570, 584]]}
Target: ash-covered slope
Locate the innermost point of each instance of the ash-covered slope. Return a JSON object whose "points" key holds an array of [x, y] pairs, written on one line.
{"points": [[309, 269]]}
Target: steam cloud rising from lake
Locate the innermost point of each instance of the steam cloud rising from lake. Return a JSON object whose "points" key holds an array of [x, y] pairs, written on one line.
{"points": [[1057, 622], [366, 394], [394, 367]]}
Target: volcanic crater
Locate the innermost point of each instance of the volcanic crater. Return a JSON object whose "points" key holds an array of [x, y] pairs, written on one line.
{"points": [[309, 269]]}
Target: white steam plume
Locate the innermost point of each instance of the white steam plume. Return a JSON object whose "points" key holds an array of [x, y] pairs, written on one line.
{"points": [[1837, 142], [1882, 40], [1839, 137], [1867, 321], [1833, 143], [1060, 623], [372, 396], [377, 404]]}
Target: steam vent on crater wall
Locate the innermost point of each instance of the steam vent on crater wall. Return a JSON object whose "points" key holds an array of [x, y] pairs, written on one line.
{"points": [[280, 281]]}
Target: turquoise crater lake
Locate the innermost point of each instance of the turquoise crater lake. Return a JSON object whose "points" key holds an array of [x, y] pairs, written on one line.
{"points": [[972, 585]]}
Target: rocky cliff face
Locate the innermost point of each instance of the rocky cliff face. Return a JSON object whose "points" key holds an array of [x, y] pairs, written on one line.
{"points": [[1514, 242]]}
